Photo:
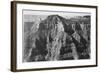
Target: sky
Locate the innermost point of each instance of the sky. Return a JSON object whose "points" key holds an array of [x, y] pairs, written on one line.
{"points": [[32, 15]]}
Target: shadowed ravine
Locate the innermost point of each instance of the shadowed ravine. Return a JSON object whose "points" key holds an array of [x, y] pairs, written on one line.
{"points": [[57, 38]]}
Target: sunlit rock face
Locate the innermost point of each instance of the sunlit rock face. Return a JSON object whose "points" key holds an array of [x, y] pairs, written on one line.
{"points": [[58, 38]]}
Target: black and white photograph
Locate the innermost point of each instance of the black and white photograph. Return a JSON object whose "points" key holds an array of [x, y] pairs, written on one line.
{"points": [[56, 37], [46, 36]]}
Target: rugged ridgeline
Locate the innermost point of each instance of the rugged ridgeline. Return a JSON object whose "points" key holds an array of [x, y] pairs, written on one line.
{"points": [[58, 38]]}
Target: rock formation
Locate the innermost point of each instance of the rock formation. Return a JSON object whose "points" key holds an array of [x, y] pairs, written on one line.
{"points": [[58, 38]]}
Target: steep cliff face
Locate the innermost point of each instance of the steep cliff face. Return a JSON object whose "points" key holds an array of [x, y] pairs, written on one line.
{"points": [[58, 38]]}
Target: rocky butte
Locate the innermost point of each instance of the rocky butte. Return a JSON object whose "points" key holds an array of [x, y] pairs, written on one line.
{"points": [[57, 38]]}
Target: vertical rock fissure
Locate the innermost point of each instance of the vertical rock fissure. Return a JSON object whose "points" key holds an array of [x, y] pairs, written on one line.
{"points": [[56, 44]]}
